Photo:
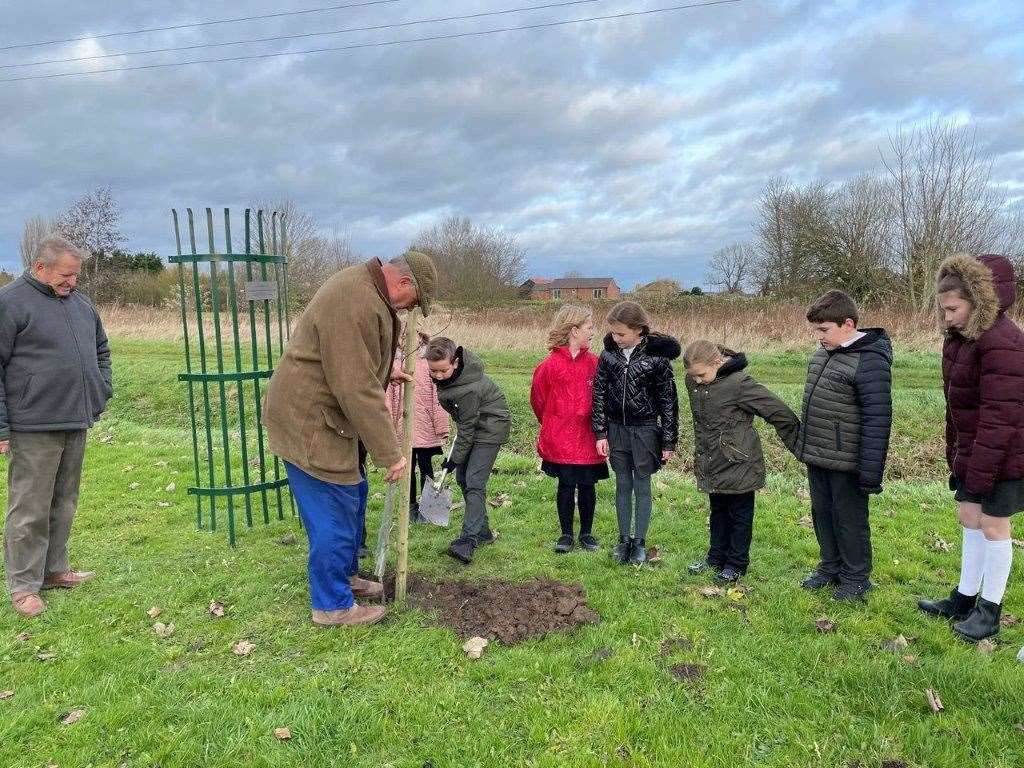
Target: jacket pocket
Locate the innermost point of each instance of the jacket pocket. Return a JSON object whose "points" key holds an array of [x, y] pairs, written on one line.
{"points": [[336, 421], [839, 436], [333, 447], [26, 390]]}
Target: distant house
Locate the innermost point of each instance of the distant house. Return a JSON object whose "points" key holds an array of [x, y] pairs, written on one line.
{"points": [[565, 288]]}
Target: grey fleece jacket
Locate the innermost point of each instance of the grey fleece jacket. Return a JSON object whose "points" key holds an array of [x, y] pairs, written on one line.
{"points": [[54, 360]]}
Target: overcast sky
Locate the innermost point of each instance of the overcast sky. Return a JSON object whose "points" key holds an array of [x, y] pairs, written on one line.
{"points": [[632, 148]]}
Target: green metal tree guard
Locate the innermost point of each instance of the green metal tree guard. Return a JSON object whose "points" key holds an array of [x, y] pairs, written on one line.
{"points": [[225, 382]]}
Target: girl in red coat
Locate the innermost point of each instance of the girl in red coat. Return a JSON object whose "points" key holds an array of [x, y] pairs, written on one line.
{"points": [[983, 379], [561, 396]]}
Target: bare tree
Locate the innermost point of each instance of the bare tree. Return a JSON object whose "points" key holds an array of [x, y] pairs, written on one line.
{"points": [[93, 224], [942, 201], [35, 230], [793, 232], [730, 268], [858, 256], [474, 263]]}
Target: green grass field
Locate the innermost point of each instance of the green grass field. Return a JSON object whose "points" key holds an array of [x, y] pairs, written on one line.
{"points": [[774, 692]]}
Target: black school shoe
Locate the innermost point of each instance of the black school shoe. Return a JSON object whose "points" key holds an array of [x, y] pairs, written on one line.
{"points": [[462, 549], [853, 592], [956, 607], [982, 622], [588, 542], [703, 565], [819, 580], [728, 575], [564, 544], [622, 551], [638, 552]]}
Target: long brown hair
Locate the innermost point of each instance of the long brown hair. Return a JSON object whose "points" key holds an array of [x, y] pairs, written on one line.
{"points": [[631, 315]]}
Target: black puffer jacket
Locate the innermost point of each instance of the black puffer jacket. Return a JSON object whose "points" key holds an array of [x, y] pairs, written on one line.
{"points": [[847, 409], [640, 391]]}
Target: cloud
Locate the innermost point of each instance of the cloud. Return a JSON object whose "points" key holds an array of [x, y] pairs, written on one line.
{"points": [[634, 148]]}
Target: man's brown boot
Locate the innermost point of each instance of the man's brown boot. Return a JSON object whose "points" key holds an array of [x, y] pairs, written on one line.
{"points": [[28, 604], [66, 580], [364, 588], [355, 616]]}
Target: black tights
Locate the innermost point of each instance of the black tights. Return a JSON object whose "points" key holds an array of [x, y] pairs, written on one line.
{"points": [[567, 497], [422, 459]]}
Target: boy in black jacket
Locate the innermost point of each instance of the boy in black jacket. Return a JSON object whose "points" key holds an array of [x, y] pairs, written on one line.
{"points": [[844, 439]]}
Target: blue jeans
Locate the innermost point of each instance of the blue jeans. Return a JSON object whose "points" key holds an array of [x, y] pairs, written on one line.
{"points": [[334, 517]]}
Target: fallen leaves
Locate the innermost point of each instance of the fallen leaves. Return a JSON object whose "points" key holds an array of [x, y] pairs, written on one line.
{"points": [[46, 656], [939, 544], [23, 637], [1008, 620], [242, 648], [474, 647], [806, 521], [933, 700], [282, 734], [710, 592], [501, 500], [162, 630], [986, 647], [5, 695], [72, 717], [134, 486], [163, 504], [1018, 543], [825, 625], [735, 594], [897, 644], [154, 611], [216, 609], [653, 555], [287, 540], [170, 488]]}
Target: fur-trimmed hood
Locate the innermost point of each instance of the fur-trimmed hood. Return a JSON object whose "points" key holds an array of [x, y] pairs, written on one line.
{"points": [[653, 344], [991, 288]]}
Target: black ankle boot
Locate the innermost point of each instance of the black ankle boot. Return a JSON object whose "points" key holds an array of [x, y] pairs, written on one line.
{"points": [[623, 549], [638, 552], [982, 622], [956, 606]]}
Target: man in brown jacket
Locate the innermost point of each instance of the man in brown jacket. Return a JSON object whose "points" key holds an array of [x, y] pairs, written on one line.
{"points": [[325, 411]]}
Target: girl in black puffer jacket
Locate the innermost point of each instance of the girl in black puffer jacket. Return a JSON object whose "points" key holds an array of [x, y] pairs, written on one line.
{"points": [[635, 418]]}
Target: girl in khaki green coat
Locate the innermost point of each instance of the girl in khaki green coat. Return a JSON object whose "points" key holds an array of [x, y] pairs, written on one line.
{"points": [[728, 460]]}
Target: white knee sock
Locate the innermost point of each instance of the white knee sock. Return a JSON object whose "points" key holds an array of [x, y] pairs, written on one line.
{"points": [[972, 562], [998, 559]]}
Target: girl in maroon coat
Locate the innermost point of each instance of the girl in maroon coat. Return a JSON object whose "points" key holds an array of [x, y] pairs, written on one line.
{"points": [[561, 396], [983, 378]]}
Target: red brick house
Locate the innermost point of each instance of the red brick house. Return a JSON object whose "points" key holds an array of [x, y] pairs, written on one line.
{"points": [[570, 288]]}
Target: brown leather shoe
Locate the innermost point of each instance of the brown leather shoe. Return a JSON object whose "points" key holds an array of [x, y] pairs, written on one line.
{"points": [[357, 615], [370, 590], [28, 604], [67, 580]]}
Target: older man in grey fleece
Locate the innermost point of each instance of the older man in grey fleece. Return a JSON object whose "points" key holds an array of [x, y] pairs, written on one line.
{"points": [[54, 384]]}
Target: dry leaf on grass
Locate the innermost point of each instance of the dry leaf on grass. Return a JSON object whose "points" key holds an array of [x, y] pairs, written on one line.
{"points": [[806, 521], [653, 555], [1008, 620], [68, 718], [5, 695], [986, 646], [710, 592], [287, 540], [735, 594], [154, 612], [1018, 543], [134, 486], [474, 647], [910, 659], [170, 488], [163, 630], [164, 504], [242, 648], [939, 544], [216, 609], [802, 493], [498, 501], [46, 656], [897, 644], [282, 734], [23, 637], [933, 700], [106, 438], [825, 625]]}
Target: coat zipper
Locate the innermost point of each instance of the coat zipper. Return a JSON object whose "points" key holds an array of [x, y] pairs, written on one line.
{"points": [[803, 442]]}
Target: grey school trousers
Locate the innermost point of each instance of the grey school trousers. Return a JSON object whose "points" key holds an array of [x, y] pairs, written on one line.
{"points": [[44, 471]]}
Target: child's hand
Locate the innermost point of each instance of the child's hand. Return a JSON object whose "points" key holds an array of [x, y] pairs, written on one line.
{"points": [[666, 456], [602, 447]]}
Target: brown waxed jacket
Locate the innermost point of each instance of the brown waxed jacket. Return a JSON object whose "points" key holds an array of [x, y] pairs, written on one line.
{"points": [[326, 395]]}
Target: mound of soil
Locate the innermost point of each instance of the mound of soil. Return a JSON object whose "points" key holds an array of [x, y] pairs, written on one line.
{"points": [[501, 610]]}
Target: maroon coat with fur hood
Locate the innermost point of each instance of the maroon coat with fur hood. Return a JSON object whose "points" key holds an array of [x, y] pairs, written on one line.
{"points": [[983, 378]]}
